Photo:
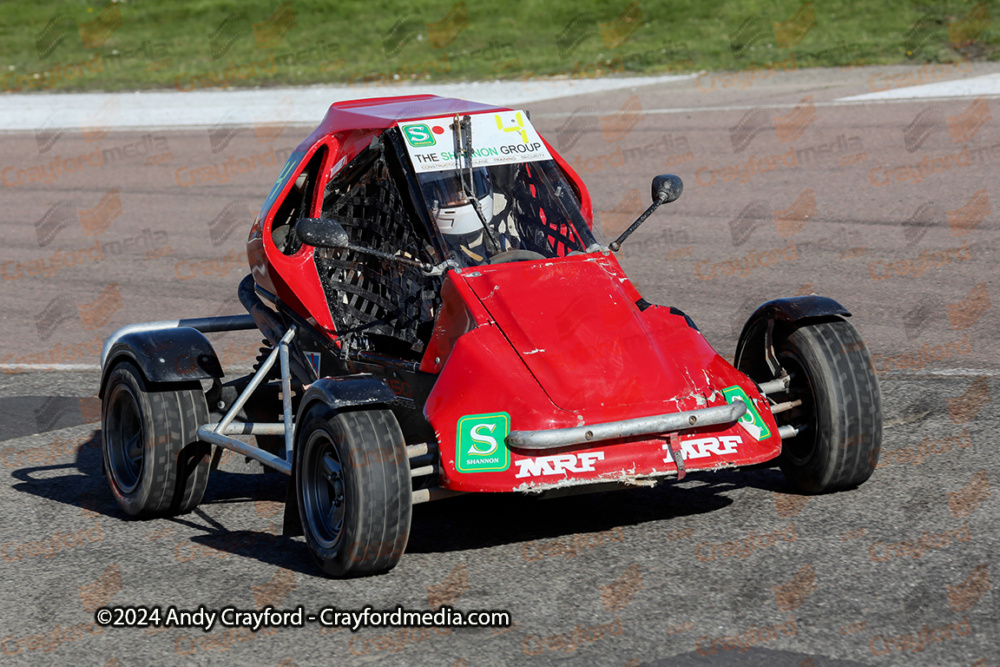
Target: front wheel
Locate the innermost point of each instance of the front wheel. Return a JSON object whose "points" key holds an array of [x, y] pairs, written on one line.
{"points": [[841, 411], [353, 488]]}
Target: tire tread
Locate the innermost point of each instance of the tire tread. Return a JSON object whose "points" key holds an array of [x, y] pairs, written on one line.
{"points": [[176, 464], [374, 455], [848, 403]]}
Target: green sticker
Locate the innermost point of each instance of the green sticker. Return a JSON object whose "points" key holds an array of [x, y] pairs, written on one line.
{"points": [[751, 420], [482, 443], [419, 135]]}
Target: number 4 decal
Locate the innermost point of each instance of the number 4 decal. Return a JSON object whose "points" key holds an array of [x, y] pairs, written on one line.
{"points": [[519, 128]]}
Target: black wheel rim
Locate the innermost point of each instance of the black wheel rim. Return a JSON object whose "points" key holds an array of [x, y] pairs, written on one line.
{"points": [[800, 448], [124, 439], [325, 490]]}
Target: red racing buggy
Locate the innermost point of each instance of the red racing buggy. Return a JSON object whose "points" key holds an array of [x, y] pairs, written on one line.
{"points": [[441, 317]]}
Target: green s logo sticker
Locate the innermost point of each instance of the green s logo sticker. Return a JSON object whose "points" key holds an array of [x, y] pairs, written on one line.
{"points": [[419, 135], [751, 420], [479, 439], [481, 443]]}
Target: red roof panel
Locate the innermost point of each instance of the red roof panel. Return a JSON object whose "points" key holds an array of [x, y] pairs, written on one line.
{"points": [[379, 113]]}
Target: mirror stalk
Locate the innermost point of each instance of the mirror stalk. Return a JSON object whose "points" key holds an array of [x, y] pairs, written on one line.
{"points": [[617, 243], [329, 233], [666, 188]]}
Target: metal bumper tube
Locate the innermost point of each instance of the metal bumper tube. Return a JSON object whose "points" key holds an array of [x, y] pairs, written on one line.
{"points": [[433, 493], [655, 425], [217, 434], [240, 447], [788, 431], [249, 428]]}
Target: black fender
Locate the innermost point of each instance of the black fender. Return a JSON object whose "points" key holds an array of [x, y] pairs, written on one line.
{"points": [[773, 321], [180, 354], [347, 391]]}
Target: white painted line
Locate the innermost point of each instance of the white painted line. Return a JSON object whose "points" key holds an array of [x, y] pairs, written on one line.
{"points": [[286, 106], [944, 373], [31, 368], [987, 85], [843, 102], [27, 368]]}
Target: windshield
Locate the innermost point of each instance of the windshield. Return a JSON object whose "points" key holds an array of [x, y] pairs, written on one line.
{"points": [[528, 206]]}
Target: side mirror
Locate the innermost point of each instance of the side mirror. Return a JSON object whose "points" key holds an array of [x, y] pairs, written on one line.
{"points": [[667, 188], [322, 233], [329, 233]]}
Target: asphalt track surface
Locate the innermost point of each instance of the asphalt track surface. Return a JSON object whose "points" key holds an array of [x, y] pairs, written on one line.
{"points": [[723, 568]]}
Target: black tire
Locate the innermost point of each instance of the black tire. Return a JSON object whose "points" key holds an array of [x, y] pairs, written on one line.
{"points": [[155, 464], [841, 408], [352, 483]]}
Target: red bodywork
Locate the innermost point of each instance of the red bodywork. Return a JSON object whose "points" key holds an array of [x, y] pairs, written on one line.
{"points": [[554, 343], [562, 343]]}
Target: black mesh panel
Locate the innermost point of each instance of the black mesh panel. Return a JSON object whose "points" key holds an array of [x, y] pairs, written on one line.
{"points": [[550, 238], [366, 294]]}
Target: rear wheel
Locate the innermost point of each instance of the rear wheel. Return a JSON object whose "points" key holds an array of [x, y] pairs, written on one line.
{"points": [[840, 417], [154, 462], [353, 489]]}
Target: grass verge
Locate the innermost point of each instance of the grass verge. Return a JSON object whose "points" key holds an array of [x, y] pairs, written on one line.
{"points": [[210, 44]]}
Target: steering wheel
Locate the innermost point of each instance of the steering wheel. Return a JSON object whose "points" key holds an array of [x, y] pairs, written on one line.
{"points": [[515, 256]]}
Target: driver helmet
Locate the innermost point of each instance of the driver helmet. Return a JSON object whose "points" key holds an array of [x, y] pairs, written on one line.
{"points": [[452, 209]]}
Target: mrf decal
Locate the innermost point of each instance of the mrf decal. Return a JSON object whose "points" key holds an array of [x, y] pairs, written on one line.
{"points": [[482, 443]]}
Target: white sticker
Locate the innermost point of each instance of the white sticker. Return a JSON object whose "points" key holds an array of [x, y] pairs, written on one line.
{"points": [[500, 137], [702, 447]]}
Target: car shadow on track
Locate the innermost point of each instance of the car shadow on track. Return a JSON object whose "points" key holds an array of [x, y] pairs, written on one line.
{"points": [[266, 492], [87, 487], [473, 521], [81, 484], [476, 521], [265, 547]]}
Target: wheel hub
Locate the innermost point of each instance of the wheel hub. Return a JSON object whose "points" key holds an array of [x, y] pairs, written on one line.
{"points": [[125, 440], [799, 448], [325, 489], [337, 488]]}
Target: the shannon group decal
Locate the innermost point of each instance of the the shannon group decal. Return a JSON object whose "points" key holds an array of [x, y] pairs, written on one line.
{"points": [[482, 443], [503, 137]]}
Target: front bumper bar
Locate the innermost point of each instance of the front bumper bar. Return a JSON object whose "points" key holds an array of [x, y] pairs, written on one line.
{"points": [[627, 428]]}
